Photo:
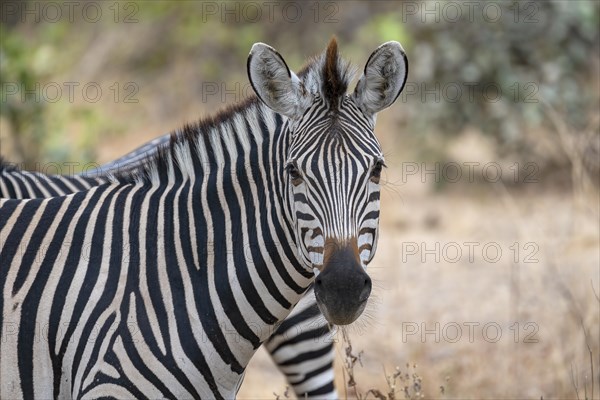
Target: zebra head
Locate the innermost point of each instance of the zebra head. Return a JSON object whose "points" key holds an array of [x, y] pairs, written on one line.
{"points": [[333, 163]]}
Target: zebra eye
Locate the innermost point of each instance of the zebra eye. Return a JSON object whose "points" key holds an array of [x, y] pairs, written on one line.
{"points": [[376, 171], [295, 175]]}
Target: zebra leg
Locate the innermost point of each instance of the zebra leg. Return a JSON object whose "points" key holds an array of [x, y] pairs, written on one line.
{"points": [[303, 349]]}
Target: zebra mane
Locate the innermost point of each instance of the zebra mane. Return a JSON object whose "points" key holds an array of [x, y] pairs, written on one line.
{"points": [[326, 75], [185, 140]]}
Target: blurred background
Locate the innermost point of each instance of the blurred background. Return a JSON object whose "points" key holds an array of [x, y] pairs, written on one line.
{"points": [[489, 254]]}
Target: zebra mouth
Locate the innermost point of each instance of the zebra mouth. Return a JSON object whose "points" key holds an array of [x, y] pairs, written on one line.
{"points": [[342, 316]]}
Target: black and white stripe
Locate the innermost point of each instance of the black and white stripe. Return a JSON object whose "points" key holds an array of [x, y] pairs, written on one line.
{"points": [[302, 347], [16, 184], [164, 281]]}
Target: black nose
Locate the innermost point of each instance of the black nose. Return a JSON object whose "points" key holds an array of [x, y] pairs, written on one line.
{"points": [[354, 288], [342, 289]]}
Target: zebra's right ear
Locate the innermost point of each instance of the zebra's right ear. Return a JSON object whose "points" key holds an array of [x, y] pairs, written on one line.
{"points": [[383, 79], [278, 87]]}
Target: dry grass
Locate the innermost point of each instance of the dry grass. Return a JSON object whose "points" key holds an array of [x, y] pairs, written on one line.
{"points": [[554, 295], [544, 299]]}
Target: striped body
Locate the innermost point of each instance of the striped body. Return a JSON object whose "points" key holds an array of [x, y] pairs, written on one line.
{"points": [[164, 281], [15, 184], [136, 263], [302, 347]]}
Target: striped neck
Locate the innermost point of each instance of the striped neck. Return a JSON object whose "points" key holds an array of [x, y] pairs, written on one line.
{"points": [[241, 212]]}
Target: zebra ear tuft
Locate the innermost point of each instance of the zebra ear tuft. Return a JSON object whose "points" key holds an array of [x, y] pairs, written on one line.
{"points": [[383, 79], [278, 87]]}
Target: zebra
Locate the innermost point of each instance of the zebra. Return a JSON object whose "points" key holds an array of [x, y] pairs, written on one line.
{"points": [[17, 184], [303, 345], [200, 254]]}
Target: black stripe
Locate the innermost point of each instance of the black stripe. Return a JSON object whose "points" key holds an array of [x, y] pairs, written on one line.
{"points": [[31, 302], [221, 276], [18, 183], [116, 264], [312, 374], [95, 353], [240, 258], [12, 244], [279, 239], [325, 389], [175, 283], [27, 323], [92, 272], [209, 321], [293, 320], [312, 335], [129, 341], [184, 328], [305, 356], [34, 183], [255, 254], [64, 283], [59, 181]]}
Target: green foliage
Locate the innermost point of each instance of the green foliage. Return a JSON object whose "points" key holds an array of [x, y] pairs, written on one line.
{"points": [[385, 27], [26, 77], [18, 68], [535, 51]]}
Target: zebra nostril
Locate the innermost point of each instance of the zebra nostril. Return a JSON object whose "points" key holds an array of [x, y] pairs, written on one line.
{"points": [[318, 281], [366, 290]]}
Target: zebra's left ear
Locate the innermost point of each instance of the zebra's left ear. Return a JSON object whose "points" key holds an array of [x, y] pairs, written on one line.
{"points": [[278, 87], [383, 78]]}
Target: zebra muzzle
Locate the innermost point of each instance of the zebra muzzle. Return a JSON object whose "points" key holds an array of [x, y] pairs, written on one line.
{"points": [[343, 287]]}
